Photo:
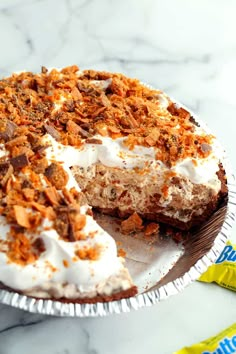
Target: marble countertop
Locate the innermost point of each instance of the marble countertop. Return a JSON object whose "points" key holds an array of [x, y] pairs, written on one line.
{"points": [[187, 48]]}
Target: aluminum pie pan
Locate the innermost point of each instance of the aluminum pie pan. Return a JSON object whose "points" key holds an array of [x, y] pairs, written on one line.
{"points": [[203, 249]]}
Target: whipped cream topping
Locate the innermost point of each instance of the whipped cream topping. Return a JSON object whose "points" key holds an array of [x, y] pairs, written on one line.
{"points": [[59, 265], [113, 153], [50, 266]]}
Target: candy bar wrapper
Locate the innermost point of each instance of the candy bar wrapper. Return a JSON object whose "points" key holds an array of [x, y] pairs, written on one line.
{"points": [[223, 272], [223, 343]]}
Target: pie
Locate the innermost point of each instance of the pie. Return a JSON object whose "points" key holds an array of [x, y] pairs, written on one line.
{"points": [[75, 141]]}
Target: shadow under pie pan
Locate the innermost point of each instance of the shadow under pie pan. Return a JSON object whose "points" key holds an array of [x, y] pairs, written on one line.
{"points": [[160, 268]]}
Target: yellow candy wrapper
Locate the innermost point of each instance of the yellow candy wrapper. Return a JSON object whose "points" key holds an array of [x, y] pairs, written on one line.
{"points": [[223, 271], [223, 343]]}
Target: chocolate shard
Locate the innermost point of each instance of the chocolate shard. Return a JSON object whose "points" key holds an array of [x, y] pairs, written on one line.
{"points": [[71, 234], [52, 131], [39, 149], [93, 141], [62, 209], [19, 161], [62, 223], [192, 120], [4, 167], [56, 175], [44, 70], [33, 139], [17, 228], [8, 133], [84, 134], [26, 184], [8, 171], [39, 245]]}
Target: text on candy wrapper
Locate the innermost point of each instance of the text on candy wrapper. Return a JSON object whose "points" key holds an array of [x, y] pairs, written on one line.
{"points": [[228, 254], [226, 346]]}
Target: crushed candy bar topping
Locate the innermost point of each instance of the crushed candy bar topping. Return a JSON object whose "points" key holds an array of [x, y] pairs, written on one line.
{"points": [[152, 228], [133, 224], [89, 253], [73, 106], [77, 108], [33, 189], [121, 253]]}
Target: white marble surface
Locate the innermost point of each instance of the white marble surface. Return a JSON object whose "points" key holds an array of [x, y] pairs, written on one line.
{"points": [[187, 48]]}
